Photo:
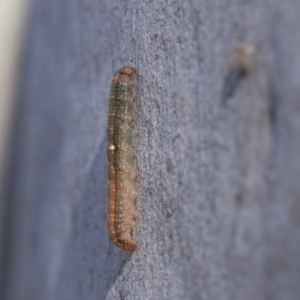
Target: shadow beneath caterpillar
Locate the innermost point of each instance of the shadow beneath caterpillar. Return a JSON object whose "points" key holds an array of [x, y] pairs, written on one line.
{"points": [[93, 263], [231, 84]]}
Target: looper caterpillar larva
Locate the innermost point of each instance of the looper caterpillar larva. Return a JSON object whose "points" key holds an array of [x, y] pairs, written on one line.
{"points": [[122, 193]]}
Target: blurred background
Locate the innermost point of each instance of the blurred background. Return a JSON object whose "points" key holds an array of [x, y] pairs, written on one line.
{"points": [[13, 29]]}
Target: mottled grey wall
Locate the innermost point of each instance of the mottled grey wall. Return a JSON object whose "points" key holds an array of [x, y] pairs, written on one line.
{"points": [[218, 156]]}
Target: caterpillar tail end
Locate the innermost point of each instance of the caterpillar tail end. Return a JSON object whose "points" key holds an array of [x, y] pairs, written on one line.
{"points": [[129, 245]]}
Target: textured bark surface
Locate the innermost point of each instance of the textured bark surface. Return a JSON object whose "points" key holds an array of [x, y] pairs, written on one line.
{"points": [[217, 154]]}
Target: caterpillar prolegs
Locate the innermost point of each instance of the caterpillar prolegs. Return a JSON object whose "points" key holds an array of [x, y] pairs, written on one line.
{"points": [[122, 193]]}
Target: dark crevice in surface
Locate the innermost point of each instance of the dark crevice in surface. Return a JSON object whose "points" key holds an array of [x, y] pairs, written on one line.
{"points": [[231, 84]]}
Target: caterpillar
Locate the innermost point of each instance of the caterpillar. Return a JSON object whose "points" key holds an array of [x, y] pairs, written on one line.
{"points": [[122, 193]]}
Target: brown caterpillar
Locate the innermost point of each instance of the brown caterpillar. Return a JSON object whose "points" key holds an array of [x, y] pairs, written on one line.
{"points": [[122, 193]]}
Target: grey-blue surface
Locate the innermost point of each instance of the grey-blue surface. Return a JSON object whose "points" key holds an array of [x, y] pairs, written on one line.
{"points": [[219, 171]]}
